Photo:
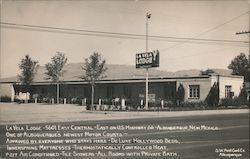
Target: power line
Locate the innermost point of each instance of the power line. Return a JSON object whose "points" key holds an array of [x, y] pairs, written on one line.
{"points": [[198, 54], [209, 30], [119, 35]]}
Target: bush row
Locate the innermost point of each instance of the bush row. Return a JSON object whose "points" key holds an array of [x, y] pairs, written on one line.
{"points": [[237, 101]]}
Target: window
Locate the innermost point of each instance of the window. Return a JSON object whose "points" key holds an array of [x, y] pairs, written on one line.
{"points": [[228, 90], [110, 92], [86, 92], [169, 91], [194, 91], [44, 91], [127, 91]]}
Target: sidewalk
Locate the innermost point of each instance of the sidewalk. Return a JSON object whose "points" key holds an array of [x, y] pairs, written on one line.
{"points": [[11, 113]]}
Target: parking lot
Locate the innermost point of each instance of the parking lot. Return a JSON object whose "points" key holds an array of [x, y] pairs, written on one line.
{"points": [[12, 113]]}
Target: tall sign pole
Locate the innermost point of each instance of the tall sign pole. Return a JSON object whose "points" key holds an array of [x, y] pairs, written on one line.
{"points": [[146, 99], [147, 60]]}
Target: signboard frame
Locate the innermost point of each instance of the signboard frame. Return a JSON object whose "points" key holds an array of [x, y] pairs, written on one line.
{"points": [[147, 59]]}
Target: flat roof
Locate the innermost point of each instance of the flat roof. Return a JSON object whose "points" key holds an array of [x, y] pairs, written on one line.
{"points": [[134, 80], [119, 74]]}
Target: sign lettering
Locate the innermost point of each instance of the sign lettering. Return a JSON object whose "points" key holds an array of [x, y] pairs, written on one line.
{"points": [[147, 60]]}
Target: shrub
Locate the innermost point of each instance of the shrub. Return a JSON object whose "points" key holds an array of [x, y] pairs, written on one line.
{"points": [[76, 101], [212, 98], [237, 101], [5, 99], [169, 103], [242, 99], [229, 102], [198, 104], [107, 101], [46, 100], [17, 100], [180, 95]]}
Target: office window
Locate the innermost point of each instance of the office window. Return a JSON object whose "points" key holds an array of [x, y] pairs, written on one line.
{"points": [[228, 90], [194, 91]]}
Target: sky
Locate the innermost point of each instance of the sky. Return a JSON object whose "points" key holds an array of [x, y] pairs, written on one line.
{"points": [[199, 19]]}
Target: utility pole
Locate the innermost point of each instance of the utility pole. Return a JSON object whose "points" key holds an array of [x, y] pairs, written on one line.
{"points": [[247, 83], [246, 33], [148, 16]]}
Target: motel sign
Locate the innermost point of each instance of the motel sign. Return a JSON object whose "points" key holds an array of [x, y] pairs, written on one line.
{"points": [[147, 59]]}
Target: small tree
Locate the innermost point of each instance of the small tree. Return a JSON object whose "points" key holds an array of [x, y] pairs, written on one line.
{"points": [[94, 69], [242, 98], [28, 69], [240, 66], [180, 94], [213, 95], [54, 70]]}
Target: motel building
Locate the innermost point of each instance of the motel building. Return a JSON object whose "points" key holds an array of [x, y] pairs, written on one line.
{"points": [[124, 84]]}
